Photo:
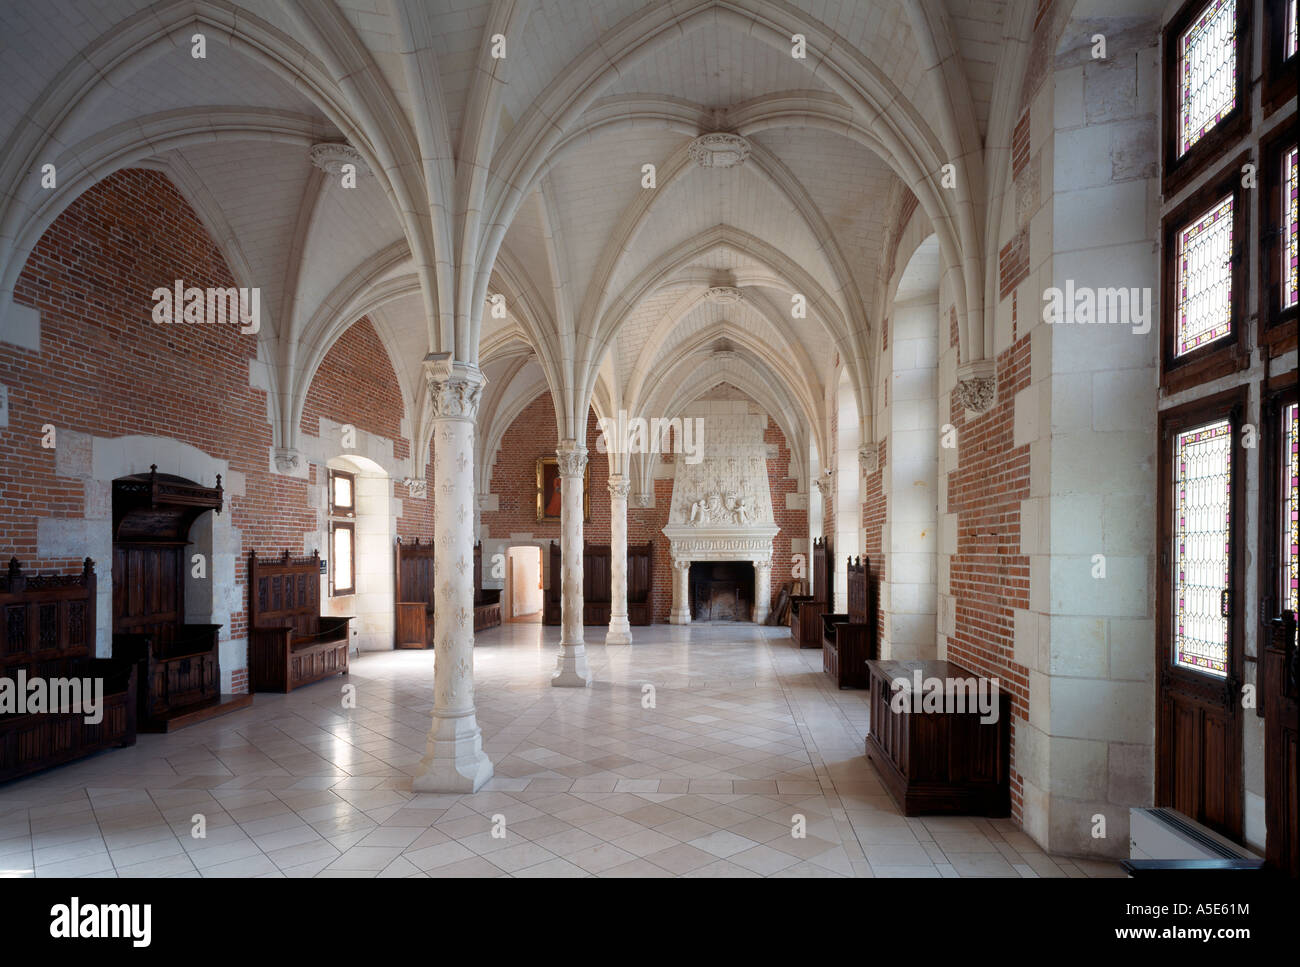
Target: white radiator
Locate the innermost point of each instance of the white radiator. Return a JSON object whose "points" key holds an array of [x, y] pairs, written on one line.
{"points": [[1166, 834]]}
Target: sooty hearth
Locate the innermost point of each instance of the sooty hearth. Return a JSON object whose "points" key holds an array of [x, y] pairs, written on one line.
{"points": [[722, 590]]}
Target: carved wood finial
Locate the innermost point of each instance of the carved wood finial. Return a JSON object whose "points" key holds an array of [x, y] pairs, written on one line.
{"points": [[87, 566], [15, 569], [286, 554]]}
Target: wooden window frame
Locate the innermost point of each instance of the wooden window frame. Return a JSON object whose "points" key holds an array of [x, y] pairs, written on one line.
{"points": [[1278, 74], [349, 511], [1221, 139], [1230, 405], [1278, 393], [1227, 354], [1277, 326], [351, 528]]}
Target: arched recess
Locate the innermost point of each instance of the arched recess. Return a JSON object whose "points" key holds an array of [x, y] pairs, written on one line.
{"points": [[910, 538], [373, 524]]}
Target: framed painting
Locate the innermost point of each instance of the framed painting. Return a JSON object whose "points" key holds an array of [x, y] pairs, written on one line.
{"points": [[548, 490]]}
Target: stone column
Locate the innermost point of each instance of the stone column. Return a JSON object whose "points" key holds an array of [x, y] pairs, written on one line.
{"points": [[681, 612], [620, 632], [571, 668], [454, 759], [762, 590]]}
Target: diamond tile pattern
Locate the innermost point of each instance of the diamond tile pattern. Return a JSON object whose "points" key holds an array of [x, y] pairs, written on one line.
{"points": [[704, 774]]}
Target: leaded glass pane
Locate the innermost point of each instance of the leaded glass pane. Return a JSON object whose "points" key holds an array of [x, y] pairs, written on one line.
{"points": [[1202, 485], [1289, 37], [1289, 182], [1207, 64], [1290, 508], [1205, 279]]}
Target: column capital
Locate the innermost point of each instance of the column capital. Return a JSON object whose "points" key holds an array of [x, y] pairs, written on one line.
{"points": [[571, 458], [619, 486], [454, 387]]}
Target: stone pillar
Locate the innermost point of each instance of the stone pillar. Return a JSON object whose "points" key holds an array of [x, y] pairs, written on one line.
{"points": [[762, 590], [454, 760], [571, 668], [620, 632], [681, 612]]}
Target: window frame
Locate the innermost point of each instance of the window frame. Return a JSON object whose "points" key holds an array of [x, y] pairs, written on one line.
{"points": [[1278, 74], [1229, 405], [1278, 393], [351, 528], [1227, 354], [1277, 326], [348, 511], [1218, 141]]}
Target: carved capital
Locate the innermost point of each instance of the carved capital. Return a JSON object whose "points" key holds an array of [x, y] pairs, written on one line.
{"points": [[287, 460], [619, 487], [869, 457], [826, 482], [643, 500], [570, 458], [976, 393], [454, 388], [417, 487], [723, 295]]}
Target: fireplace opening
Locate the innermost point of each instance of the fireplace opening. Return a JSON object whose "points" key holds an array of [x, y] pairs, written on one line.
{"points": [[722, 590]]}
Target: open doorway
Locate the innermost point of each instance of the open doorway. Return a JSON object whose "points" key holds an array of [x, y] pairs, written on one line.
{"points": [[523, 592]]}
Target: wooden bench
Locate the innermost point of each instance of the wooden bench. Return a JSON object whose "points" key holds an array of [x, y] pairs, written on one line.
{"points": [[179, 680], [849, 640], [49, 633], [806, 609], [940, 761], [413, 586], [487, 601], [290, 643], [597, 585]]}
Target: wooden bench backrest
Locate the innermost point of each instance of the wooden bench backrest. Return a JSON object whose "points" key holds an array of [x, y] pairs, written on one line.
{"points": [[822, 572], [859, 593], [596, 572], [48, 621], [414, 573], [284, 592]]}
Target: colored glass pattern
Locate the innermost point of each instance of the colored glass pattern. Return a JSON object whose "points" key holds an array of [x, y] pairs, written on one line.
{"points": [[1205, 279], [1289, 35], [1202, 488], [1290, 508], [1289, 249], [1207, 60]]}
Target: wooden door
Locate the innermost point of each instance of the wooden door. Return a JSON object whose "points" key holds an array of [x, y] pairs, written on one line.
{"points": [[1199, 611]]}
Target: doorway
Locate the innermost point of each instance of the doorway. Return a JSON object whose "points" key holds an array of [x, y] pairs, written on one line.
{"points": [[523, 592]]}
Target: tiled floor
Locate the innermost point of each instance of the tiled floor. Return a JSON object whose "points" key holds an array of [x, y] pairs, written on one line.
{"points": [[743, 735]]}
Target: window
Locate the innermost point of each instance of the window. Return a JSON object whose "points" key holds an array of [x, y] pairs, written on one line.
{"points": [[343, 559], [1289, 534], [1279, 53], [1202, 463], [342, 511], [1206, 94], [1204, 286], [1277, 239], [1205, 278]]}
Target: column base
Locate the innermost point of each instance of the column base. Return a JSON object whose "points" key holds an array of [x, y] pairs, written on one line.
{"points": [[620, 632], [454, 760], [571, 670], [760, 615], [679, 617]]}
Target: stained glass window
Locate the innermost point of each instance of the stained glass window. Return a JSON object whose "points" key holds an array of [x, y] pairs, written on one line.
{"points": [[1290, 507], [1207, 66], [1289, 182], [1289, 37], [1205, 279], [1202, 487]]}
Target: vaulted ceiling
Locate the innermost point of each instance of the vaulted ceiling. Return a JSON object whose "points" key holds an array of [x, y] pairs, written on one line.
{"points": [[523, 177]]}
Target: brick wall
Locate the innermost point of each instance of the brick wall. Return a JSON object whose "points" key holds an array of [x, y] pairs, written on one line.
{"points": [[874, 505], [989, 576]]}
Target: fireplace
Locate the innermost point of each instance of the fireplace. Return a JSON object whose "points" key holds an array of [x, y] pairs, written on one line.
{"points": [[722, 590]]}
